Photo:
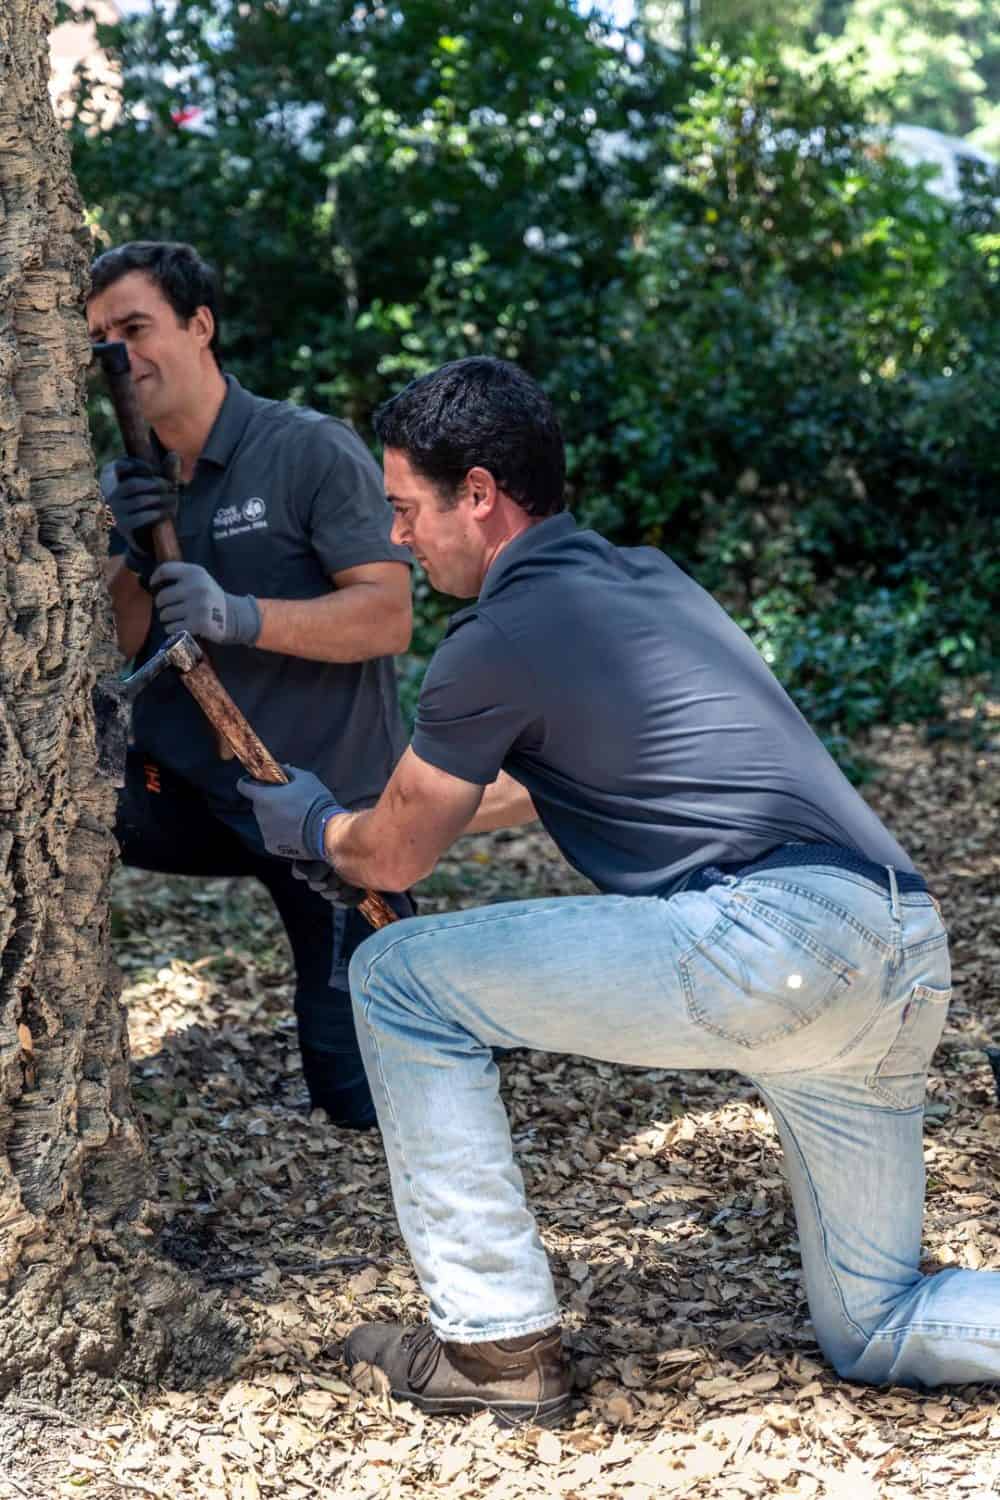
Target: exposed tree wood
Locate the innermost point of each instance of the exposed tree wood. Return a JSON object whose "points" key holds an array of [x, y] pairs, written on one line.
{"points": [[82, 1300]]}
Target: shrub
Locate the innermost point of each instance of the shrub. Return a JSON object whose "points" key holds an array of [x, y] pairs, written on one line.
{"points": [[775, 352]]}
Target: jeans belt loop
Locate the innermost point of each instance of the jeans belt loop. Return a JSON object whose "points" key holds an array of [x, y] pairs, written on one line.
{"points": [[893, 894]]}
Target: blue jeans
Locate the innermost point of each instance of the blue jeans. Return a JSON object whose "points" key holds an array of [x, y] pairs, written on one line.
{"points": [[826, 991]]}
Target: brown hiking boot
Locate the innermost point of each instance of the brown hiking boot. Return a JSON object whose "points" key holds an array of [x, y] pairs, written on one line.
{"points": [[520, 1380]]}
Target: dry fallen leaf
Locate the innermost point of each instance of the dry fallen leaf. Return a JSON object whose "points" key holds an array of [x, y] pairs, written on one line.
{"points": [[548, 1447], [366, 1281], [453, 1460]]}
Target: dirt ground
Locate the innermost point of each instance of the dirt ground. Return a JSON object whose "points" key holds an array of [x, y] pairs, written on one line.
{"points": [[660, 1196]]}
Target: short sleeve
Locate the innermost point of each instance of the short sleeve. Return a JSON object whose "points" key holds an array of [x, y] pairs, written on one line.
{"points": [[349, 519], [477, 704]]}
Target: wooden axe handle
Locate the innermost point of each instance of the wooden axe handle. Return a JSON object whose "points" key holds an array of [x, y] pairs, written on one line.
{"points": [[135, 436]]}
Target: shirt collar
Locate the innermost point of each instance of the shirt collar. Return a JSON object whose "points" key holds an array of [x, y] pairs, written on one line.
{"points": [[228, 427], [552, 529]]}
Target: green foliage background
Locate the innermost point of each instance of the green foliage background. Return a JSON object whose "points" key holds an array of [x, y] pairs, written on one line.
{"points": [[927, 62], [774, 349]]}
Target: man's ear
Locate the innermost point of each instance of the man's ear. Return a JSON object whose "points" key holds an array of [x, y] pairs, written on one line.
{"points": [[482, 488], [203, 323]]}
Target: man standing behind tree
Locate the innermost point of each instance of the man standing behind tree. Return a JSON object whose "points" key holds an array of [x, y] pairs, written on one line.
{"points": [[756, 917], [290, 576]]}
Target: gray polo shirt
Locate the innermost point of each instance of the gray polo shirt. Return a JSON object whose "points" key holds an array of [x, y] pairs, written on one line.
{"points": [[648, 730], [281, 498]]}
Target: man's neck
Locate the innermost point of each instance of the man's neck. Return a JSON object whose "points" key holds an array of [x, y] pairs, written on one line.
{"points": [[510, 534], [186, 432]]}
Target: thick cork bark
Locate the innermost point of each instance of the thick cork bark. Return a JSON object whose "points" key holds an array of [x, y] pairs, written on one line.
{"points": [[84, 1301]]}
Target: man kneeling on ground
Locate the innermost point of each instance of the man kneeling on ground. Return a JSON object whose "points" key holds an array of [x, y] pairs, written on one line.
{"points": [[755, 917]]}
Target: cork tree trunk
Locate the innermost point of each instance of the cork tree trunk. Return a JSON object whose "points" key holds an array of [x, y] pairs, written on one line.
{"points": [[84, 1300]]}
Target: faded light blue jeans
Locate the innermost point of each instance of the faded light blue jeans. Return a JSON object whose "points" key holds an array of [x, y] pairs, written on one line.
{"points": [[826, 991]]}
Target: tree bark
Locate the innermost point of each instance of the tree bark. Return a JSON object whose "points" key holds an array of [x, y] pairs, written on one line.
{"points": [[83, 1299]]}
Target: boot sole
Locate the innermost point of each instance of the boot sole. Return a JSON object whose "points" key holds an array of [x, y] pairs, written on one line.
{"points": [[509, 1413]]}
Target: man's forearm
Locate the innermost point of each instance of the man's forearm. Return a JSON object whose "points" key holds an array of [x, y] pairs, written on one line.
{"points": [[351, 624], [505, 804], [399, 841], [132, 605], [388, 847], [349, 847], [385, 848]]}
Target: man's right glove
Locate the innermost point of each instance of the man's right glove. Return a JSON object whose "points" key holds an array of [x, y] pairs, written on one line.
{"points": [[324, 880], [292, 818], [188, 598], [140, 498]]}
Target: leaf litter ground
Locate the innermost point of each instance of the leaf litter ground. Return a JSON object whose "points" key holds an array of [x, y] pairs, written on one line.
{"points": [[660, 1197]]}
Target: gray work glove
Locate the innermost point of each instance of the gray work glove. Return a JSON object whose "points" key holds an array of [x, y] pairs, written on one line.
{"points": [[324, 880], [188, 598], [292, 818], [140, 497]]}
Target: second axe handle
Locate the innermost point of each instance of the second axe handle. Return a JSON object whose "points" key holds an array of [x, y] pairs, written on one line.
{"points": [[202, 681]]}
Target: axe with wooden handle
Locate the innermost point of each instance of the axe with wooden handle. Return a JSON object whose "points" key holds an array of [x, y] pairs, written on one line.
{"points": [[182, 653]]}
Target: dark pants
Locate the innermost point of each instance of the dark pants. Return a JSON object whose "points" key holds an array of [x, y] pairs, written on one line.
{"points": [[166, 824]]}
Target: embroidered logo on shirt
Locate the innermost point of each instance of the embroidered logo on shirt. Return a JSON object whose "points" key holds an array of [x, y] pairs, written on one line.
{"points": [[234, 520]]}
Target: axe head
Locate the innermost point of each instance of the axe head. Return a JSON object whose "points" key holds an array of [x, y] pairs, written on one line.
{"points": [[112, 700], [113, 357], [181, 651]]}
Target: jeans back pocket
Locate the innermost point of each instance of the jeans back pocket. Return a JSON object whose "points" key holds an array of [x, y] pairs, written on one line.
{"points": [[901, 1077], [758, 976]]}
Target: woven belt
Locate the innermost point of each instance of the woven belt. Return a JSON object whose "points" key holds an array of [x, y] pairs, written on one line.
{"points": [[827, 856]]}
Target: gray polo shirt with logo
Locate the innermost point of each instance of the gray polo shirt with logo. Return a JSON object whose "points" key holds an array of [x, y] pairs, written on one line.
{"points": [[281, 498], [649, 731]]}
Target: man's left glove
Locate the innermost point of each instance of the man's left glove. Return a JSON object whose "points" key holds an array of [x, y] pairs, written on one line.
{"points": [[324, 880], [188, 598], [292, 819]]}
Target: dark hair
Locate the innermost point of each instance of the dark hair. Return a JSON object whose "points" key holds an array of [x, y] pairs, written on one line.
{"points": [[186, 281], [480, 412]]}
